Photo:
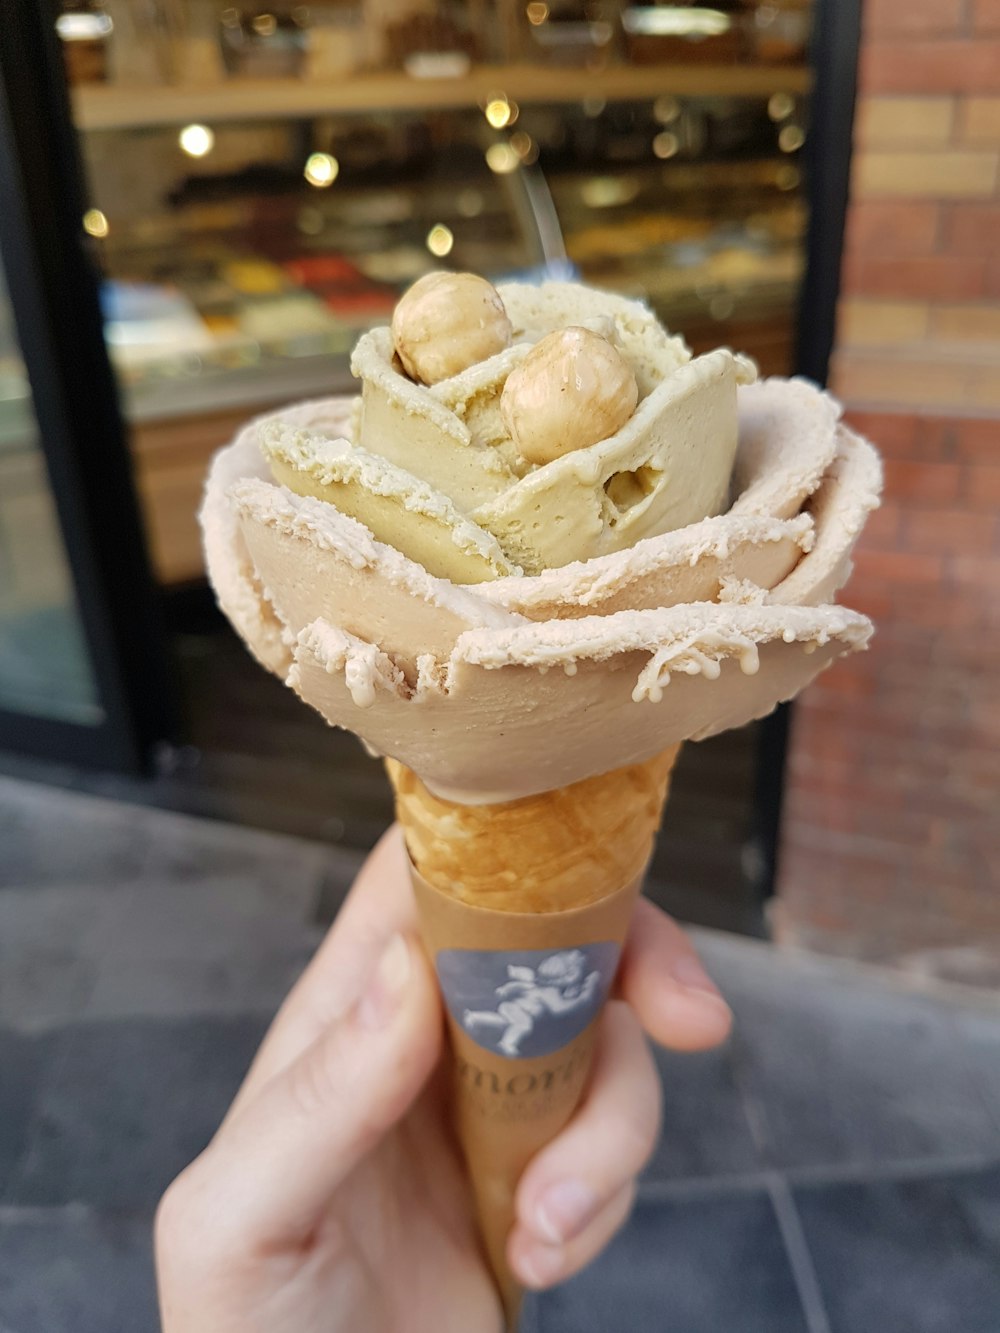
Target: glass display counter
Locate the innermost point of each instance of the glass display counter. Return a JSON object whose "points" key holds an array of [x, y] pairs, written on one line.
{"points": [[264, 184]]}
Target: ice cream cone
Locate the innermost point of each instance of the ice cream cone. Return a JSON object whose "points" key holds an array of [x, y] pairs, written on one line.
{"points": [[524, 908]]}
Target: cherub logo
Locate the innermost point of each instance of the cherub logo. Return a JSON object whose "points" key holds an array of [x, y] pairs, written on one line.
{"points": [[528, 1003], [557, 987]]}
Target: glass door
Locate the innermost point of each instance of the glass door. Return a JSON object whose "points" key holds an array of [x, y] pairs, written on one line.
{"points": [[82, 669], [45, 665]]}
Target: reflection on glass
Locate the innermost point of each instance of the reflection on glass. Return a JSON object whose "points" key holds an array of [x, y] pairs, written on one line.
{"points": [[44, 666], [246, 275], [246, 248]]}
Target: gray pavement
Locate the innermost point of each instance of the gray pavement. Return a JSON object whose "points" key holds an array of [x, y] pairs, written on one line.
{"points": [[834, 1169]]}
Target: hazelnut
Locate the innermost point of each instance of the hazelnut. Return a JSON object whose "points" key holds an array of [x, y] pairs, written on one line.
{"points": [[447, 322], [571, 390]]}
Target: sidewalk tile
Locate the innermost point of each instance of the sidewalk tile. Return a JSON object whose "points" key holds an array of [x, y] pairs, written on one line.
{"points": [[128, 1105], [69, 1271], [907, 1256], [691, 1267], [705, 1128]]}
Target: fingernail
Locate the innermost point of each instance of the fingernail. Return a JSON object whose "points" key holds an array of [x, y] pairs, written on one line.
{"points": [[380, 1002], [540, 1265], [564, 1209], [692, 976]]}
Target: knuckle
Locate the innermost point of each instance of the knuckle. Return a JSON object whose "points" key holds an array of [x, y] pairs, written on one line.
{"points": [[190, 1234], [325, 1084], [173, 1210], [314, 1084], [177, 1231]]}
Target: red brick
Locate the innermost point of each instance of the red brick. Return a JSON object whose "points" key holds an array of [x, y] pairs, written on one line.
{"points": [[951, 532], [926, 483], [937, 439], [986, 15], [899, 567], [883, 227], [871, 599], [936, 614], [913, 16], [832, 812], [905, 828], [844, 779], [978, 440], [991, 285], [973, 571], [970, 228], [892, 434], [884, 528], [938, 277], [940, 615], [982, 486], [936, 66], [844, 683], [967, 657], [925, 797]]}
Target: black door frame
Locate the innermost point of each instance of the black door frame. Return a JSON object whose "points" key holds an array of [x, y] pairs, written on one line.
{"points": [[53, 285], [835, 46]]}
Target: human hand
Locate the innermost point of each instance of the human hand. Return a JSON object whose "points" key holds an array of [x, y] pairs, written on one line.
{"points": [[332, 1199]]}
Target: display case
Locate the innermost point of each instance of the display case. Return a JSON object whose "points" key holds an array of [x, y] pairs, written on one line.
{"points": [[264, 183]]}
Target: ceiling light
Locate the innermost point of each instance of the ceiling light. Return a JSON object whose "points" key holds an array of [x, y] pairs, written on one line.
{"points": [[321, 170], [84, 27], [95, 223], [665, 145], [196, 140], [502, 159], [671, 21], [499, 112], [440, 240]]}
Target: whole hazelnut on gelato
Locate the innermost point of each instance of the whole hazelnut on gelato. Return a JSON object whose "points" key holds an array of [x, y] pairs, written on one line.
{"points": [[571, 390], [447, 322]]}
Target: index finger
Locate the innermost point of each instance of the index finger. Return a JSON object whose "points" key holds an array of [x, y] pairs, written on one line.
{"points": [[379, 905]]}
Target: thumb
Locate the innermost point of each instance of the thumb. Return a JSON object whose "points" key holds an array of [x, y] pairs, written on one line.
{"points": [[282, 1158]]}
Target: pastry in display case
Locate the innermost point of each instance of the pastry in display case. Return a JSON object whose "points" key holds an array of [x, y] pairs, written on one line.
{"points": [[253, 222]]}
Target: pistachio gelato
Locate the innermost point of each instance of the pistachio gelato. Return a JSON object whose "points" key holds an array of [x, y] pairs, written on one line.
{"points": [[562, 422]]}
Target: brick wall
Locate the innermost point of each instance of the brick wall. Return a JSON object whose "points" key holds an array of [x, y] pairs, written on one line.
{"points": [[891, 835]]}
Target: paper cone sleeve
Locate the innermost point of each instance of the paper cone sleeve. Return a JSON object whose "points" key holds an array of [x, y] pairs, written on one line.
{"points": [[524, 907]]}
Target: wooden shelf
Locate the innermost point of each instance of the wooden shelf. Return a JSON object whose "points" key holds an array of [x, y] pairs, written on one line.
{"points": [[119, 108]]}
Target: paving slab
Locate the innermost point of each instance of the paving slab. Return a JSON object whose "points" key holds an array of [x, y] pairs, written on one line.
{"points": [[706, 1130], [74, 1271], [907, 1256], [684, 1267], [125, 1105], [837, 1067], [24, 1062]]}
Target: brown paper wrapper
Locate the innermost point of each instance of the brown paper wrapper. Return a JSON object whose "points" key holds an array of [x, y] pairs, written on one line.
{"points": [[508, 1103], [524, 906]]}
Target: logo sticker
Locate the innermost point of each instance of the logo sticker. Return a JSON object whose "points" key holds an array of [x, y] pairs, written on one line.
{"points": [[528, 1002]]}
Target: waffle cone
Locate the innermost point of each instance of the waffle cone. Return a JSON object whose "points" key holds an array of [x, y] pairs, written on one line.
{"points": [[516, 890]]}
